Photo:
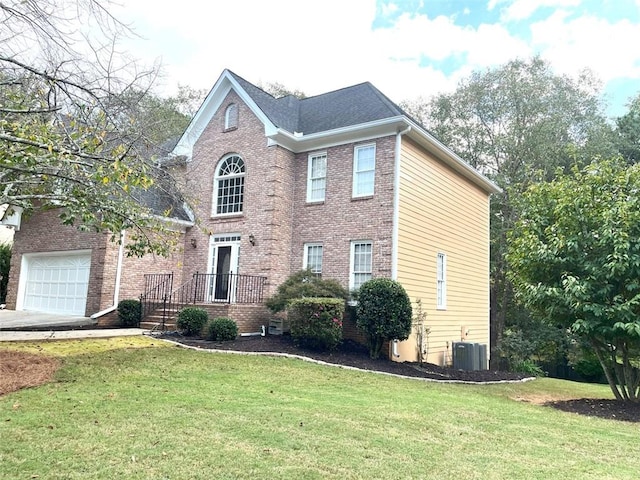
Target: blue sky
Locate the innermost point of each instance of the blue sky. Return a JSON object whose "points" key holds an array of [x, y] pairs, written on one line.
{"points": [[407, 48]]}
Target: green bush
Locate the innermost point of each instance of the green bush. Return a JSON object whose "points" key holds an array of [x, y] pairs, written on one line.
{"points": [[528, 366], [221, 329], [5, 265], [129, 313], [384, 313], [191, 320], [304, 284], [316, 323]]}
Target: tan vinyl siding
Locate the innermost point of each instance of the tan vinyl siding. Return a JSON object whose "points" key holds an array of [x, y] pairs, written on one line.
{"points": [[442, 212]]}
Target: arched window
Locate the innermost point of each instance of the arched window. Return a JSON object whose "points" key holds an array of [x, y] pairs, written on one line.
{"points": [[231, 117], [228, 194]]}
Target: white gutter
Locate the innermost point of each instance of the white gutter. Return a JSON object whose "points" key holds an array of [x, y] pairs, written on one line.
{"points": [[116, 290], [396, 205]]}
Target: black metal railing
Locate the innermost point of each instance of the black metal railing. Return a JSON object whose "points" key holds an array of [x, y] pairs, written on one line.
{"points": [[202, 288], [157, 291]]}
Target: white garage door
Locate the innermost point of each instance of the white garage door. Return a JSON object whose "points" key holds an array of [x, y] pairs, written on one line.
{"points": [[57, 283]]}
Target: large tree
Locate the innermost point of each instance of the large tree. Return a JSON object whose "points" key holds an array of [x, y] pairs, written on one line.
{"points": [[517, 123], [575, 262], [628, 132], [72, 135]]}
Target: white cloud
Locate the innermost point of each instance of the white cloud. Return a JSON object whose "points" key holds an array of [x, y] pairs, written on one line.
{"points": [[523, 9], [611, 50], [327, 45]]}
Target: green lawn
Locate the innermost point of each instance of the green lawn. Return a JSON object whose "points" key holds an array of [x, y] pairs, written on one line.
{"points": [[166, 412]]}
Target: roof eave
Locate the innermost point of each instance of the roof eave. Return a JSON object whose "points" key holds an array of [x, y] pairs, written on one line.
{"points": [[299, 142]]}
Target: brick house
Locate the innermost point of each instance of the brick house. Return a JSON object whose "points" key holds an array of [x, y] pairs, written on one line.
{"points": [[343, 183]]}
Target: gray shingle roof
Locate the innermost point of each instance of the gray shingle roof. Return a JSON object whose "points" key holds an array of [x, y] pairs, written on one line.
{"points": [[362, 103]]}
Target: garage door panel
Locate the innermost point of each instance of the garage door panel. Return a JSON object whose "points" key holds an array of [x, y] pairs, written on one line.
{"points": [[58, 284]]}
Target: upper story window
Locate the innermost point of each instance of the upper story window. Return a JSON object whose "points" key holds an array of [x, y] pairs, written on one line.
{"points": [[231, 117], [364, 170], [316, 177], [361, 263], [441, 281], [313, 258], [228, 194]]}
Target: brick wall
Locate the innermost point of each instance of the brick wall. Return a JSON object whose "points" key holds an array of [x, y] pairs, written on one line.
{"points": [[249, 318], [43, 232], [267, 204], [340, 218]]}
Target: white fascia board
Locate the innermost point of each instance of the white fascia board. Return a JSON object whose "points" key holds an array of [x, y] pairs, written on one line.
{"points": [[174, 224], [209, 107], [356, 133], [444, 153]]}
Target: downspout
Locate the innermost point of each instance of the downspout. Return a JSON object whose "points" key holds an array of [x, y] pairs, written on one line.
{"points": [[396, 220], [396, 204], [116, 290]]}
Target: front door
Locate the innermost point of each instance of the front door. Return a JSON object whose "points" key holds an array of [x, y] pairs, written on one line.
{"points": [[225, 253]]}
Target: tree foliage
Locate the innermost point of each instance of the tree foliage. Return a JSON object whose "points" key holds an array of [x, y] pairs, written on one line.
{"points": [[278, 90], [517, 123], [575, 259], [5, 266], [383, 313], [628, 132], [72, 135]]}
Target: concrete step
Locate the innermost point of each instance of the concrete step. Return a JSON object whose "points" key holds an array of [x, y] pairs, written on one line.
{"points": [[157, 325]]}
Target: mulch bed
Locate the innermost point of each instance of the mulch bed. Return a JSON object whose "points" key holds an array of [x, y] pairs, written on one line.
{"points": [[350, 354]]}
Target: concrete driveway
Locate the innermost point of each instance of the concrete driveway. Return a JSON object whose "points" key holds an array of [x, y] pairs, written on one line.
{"points": [[24, 320]]}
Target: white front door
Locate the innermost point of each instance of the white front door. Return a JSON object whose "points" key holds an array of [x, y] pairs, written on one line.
{"points": [[225, 256]]}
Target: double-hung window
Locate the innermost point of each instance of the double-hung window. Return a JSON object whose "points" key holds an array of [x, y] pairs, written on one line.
{"points": [[313, 258], [441, 281], [316, 177], [361, 263], [364, 170]]}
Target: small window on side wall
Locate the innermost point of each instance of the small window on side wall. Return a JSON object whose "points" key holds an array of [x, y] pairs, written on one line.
{"points": [[364, 170], [231, 117]]}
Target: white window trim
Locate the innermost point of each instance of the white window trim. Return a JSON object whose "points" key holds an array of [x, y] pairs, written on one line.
{"points": [[441, 281], [352, 272], [311, 157], [216, 179], [305, 258], [227, 116], [356, 172]]}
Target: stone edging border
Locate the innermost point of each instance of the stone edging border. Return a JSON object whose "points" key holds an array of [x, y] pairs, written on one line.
{"points": [[346, 367]]}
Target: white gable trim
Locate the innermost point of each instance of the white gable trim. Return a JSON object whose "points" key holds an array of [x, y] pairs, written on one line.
{"points": [[210, 106]]}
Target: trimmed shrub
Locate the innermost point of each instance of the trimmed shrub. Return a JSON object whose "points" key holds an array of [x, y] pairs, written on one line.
{"points": [[384, 313], [191, 320], [5, 265], [221, 329], [316, 323], [130, 313], [304, 284]]}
